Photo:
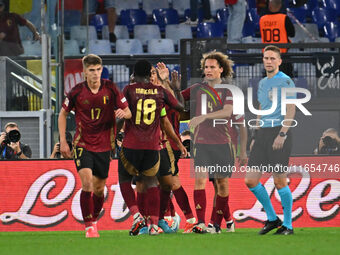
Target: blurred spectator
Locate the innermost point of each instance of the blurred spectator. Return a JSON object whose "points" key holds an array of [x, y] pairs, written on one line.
{"points": [[193, 21], [186, 140], [10, 145], [111, 14], [10, 42], [329, 143], [237, 15], [56, 149], [275, 27]]}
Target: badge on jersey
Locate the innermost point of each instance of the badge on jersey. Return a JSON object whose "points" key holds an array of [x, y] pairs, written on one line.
{"points": [[123, 100], [105, 99], [66, 102]]}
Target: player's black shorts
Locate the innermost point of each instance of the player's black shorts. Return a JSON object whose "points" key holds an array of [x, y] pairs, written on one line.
{"points": [[216, 159], [262, 155], [166, 164], [98, 162], [137, 162], [177, 155]]}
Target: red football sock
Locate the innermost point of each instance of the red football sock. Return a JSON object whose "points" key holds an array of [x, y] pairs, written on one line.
{"points": [[168, 211], [86, 205], [200, 204], [164, 203], [213, 213], [172, 208], [221, 204], [152, 203], [141, 203], [183, 202], [129, 197], [227, 215], [97, 206]]}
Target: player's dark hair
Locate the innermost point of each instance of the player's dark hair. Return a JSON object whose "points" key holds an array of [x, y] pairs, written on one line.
{"points": [[223, 60], [91, 59], [142, 69], [273, 48]]}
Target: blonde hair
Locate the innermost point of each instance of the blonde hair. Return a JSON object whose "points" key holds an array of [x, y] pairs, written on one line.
{"points": [[223, 60]]}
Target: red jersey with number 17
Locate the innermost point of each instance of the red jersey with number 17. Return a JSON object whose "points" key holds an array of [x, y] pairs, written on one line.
{"points": [[95, 116], [146, 102]]}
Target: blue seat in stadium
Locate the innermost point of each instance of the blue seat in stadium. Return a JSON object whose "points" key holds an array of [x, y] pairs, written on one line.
{"points": [[251, 3], [300, 13], [209, 30], [100, 47], [132, 17], [331, 30], [163, 17], [146, 32], [332, 4], [71, 18], [181, 6], [249, 28], [311, 5], [222, 17], [129, 46], [105, 73], [150, 5], [321, 16], [178, 32], [161, 46], [31, 48], [253, 17], [216, 5], [99, 20]]}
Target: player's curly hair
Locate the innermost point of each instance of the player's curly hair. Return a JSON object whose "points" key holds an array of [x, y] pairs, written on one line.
{"points": [[223, 60], [91, 59]]}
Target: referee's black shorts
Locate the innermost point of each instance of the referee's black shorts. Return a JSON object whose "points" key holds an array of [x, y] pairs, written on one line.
{"points": [[262, 153]]}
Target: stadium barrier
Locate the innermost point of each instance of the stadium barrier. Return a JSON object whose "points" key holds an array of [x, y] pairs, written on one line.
{"points": [[43, 195]]}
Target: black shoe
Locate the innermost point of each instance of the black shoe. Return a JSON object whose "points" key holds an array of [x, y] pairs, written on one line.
{"points": [[284, 231], [113, 37], [270, 225]]}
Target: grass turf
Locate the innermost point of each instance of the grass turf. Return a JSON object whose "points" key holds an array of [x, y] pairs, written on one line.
{"points": [[243, 241]]}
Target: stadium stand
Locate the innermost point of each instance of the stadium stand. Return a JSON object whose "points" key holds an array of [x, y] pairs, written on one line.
{"points": [[129, 46], [71, 48], [132, 17], [100, 47], [161, 46], [331, 31], [222, 17], [181, 6], [163, 17], [98, 21], [126, 4], [31, 48], [120, 31], [209, 30], [146, 32], [178, 32], [71, 18], [79, 33]]}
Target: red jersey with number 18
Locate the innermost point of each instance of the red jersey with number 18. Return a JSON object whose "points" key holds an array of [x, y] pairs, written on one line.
{"points": [[95, 116], [146, 102]]}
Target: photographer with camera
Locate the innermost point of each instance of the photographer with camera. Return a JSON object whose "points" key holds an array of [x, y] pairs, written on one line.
{"points": [[329, 143], [56, 149], [10, 145]]}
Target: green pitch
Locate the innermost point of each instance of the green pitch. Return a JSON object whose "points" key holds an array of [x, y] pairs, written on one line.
{"points": [[244, 241]]}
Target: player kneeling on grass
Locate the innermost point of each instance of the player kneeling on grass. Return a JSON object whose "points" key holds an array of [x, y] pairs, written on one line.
{"points": [[96, 104]]}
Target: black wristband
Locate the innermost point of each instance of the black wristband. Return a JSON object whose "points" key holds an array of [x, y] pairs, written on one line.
{"points": [[19, 154]]}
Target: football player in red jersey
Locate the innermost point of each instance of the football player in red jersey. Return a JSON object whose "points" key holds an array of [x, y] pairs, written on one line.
{"points": [[140, 151], [212, 144], [160, 75], [96, 104]]}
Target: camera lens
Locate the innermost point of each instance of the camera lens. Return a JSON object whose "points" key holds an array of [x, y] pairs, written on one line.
{"points": [[13, 136]]}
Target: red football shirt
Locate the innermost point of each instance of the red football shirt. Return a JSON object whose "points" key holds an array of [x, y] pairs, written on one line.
{"points": [[9, 25], [206, 133], [146, 101], [95, 117], [173, 117]]}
